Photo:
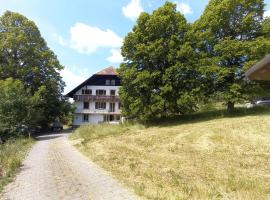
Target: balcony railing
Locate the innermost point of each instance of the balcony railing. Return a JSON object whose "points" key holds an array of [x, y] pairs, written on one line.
{"points": [[86, 97], [88, 111]]}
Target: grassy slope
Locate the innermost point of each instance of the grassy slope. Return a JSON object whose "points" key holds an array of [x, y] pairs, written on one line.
{"points": [[11, 155], [224, 158]]}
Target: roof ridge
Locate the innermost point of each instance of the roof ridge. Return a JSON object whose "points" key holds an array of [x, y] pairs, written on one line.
{"points": [[107, 71]]}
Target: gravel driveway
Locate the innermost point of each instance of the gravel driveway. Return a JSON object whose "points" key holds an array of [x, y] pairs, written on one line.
{"points": [[56, 170]]}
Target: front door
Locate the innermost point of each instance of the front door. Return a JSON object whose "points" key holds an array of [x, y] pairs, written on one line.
{"points": [[108, 118], [111, 118]]}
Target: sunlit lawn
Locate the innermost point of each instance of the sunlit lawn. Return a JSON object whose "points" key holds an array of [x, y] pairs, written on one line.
{"points": [[223, 158]]}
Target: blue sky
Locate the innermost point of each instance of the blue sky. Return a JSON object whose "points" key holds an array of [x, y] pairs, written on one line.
{"points": [[86, 35]]}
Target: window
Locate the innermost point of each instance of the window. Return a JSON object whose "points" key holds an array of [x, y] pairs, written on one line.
{"points": [[112, 92], [112, 107], [112, 82], [86, 91], [100, 105], [85, 118], [86, 105], [100, 92], [119, 105]]}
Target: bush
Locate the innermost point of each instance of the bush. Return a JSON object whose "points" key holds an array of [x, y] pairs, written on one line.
{"points": [[18, 108]]}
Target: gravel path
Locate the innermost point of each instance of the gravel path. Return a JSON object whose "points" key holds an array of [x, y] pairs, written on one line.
{"points": [[56, 170]]}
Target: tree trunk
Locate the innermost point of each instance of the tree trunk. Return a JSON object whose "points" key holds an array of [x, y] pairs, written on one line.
{"points": [[230, 106]]}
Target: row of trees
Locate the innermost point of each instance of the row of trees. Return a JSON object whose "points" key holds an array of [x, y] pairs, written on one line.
{"points": [[30, 83], [171, 66]]}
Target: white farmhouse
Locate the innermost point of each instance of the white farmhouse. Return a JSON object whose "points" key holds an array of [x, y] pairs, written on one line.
{"points": [[97, 99]]}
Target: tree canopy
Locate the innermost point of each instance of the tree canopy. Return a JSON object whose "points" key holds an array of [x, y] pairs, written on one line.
{"points": [[18, 107], [170, 65], [230, 37], [157, 76], [25, 56]]}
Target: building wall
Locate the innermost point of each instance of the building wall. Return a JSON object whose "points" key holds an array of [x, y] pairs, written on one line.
{"points": [[80, 109], [95, 115], [94, 88], [93, 119], [79, 104]]}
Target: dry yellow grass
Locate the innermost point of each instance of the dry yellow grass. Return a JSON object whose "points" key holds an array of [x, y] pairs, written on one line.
{"points": [[12, 154], [227, 158]]}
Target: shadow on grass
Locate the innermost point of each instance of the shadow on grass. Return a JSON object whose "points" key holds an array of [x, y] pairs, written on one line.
{"points": [[209, 115]]}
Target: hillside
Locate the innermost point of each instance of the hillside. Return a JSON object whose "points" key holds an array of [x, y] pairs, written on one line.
{"points": [[224, 158]]}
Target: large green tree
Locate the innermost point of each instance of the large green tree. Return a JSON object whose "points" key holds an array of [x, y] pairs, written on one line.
{"points": [[24, 55], [157, 76], [229, 37]]}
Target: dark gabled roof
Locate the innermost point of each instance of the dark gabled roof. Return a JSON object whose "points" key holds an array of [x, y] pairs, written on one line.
{"points": [[260, 71], [107, 73]]}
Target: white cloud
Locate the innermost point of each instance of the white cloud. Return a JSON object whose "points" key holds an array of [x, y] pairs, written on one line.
{"points": [[115, 56], [184, 8], [267, 13], [87, 39], [71, 79], [132, 10]]}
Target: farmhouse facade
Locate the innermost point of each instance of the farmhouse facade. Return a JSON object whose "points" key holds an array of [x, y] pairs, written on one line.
{"points": [[97, 99]]}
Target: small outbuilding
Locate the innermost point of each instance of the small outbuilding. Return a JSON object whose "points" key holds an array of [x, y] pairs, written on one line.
{"points": [[260, 71]]}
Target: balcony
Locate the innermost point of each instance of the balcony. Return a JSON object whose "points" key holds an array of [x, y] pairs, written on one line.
{"points": [[86, 97], [93, 112]]}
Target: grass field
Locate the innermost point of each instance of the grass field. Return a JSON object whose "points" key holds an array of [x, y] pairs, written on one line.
{"points": [[11, 155], [202, 156]]}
